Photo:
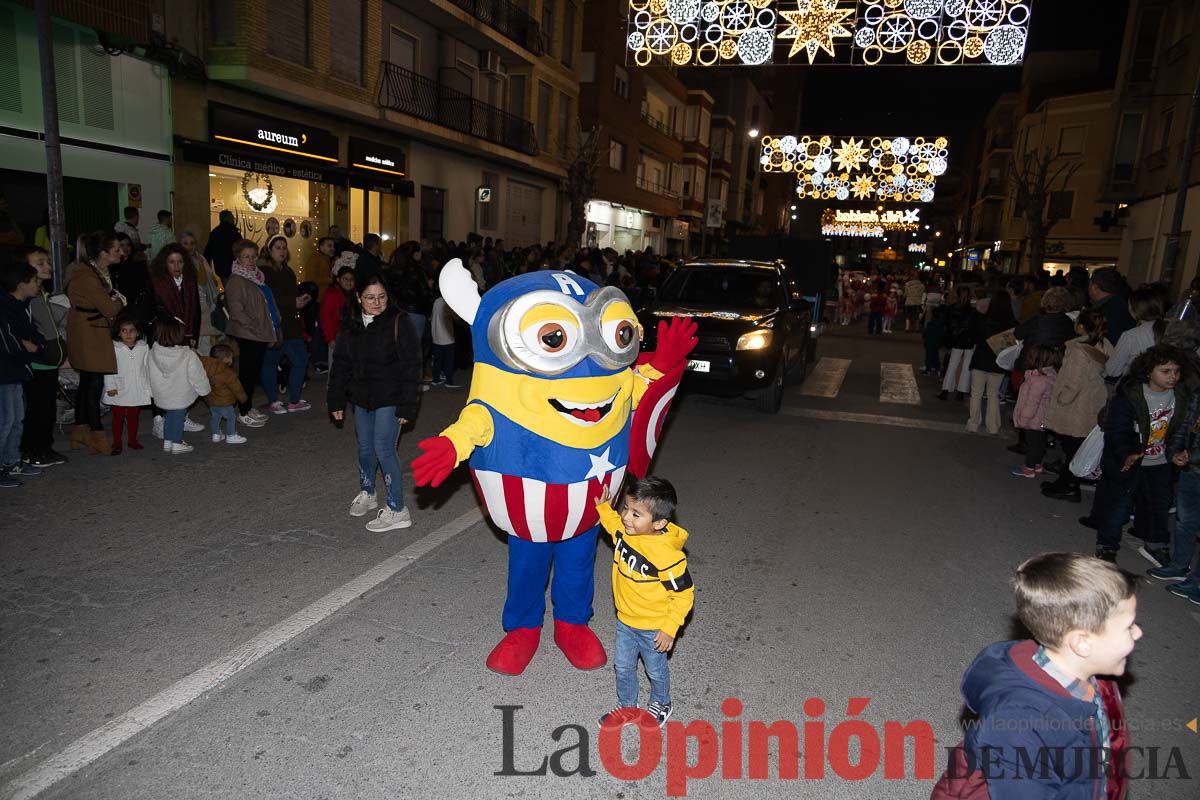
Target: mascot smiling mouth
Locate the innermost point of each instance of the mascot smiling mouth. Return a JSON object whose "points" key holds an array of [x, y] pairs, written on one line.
{"points": [[584, 413]]}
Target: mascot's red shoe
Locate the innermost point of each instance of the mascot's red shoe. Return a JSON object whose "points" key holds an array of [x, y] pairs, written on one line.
{"points": [[581, 647], [515, 651]]}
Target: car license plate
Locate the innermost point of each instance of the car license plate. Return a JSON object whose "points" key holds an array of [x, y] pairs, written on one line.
{"points": [[697, 366]]}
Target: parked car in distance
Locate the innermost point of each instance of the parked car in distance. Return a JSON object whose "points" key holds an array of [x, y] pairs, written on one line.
{"points": [[754, 327]]}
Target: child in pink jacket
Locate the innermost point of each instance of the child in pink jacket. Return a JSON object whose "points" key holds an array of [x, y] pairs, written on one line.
{"points": [[1041, 368]]}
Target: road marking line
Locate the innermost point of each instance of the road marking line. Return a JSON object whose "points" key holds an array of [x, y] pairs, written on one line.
{"points": [[826, 378], [874, 419], [898, 384], [91, 746]]}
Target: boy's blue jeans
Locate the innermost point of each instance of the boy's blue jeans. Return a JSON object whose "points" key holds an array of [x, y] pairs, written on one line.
{"points": [[12, 413], [226, 413], [173, 424], [1187, 522], [297, 355], [378, 432], [631, 643]]}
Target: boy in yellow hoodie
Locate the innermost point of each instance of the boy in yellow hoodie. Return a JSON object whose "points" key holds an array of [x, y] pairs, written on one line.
{"points": [[652, 590]]}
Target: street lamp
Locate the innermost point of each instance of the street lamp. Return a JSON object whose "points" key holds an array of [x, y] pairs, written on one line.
{"points": [[753, 133]]}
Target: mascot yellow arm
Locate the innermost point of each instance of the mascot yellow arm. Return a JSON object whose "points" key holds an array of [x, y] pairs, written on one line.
{"points": [[472, 429], [642, 376]]}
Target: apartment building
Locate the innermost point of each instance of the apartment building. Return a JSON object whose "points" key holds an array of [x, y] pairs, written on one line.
{"points": [[1156, 81]]}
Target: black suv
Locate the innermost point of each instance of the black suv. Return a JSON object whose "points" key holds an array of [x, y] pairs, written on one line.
{"points": [[755, 327]]}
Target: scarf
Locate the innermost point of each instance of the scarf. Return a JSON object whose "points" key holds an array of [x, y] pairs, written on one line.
{"points": [[254, 275]]}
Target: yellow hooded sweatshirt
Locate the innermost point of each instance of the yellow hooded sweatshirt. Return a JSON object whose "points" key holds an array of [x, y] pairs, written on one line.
{"points": [[651, 585]]}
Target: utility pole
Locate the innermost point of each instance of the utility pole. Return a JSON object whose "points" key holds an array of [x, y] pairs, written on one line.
{"points": [[54, 173], [1171, 251]]}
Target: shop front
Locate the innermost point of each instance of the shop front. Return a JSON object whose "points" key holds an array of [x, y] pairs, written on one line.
{"points": [[623, 227], [379, 191]]}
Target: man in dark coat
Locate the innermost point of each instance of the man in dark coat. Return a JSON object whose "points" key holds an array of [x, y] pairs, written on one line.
{"points": [[219, 250]]}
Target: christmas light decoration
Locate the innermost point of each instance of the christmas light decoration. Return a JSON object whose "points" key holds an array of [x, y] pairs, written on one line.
{"points": [[869, 224], [897, 169], [866, 32]]}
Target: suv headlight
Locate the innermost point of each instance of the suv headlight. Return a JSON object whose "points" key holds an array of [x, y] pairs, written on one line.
{"points": [[754, 340]]}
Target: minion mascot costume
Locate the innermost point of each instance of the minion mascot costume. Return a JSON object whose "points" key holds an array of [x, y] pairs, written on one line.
{"points": [[547, 426]]}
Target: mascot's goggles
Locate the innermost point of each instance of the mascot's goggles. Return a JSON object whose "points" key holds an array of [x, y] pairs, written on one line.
{"points": [[548, 333]]}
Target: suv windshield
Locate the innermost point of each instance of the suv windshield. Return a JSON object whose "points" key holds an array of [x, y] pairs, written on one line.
{"points": [[723, 287]]}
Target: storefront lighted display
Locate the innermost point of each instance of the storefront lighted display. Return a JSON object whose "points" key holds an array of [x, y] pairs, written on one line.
{"points": [[857, 168], [869, 224], [723, 33]]}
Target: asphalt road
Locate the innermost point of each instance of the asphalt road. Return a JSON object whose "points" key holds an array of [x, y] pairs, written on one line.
{"points": [[216, 626]]}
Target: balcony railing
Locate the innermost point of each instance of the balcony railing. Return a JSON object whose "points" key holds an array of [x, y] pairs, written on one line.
{"points": [[409, 93], [655, 123], [657, 188], [503, 16]]}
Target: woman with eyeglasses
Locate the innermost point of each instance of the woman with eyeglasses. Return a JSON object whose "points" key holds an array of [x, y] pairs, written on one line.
{"points": [[376, 370]]}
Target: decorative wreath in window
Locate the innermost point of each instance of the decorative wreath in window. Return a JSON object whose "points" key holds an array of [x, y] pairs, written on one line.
{"points": [[260, 197]]}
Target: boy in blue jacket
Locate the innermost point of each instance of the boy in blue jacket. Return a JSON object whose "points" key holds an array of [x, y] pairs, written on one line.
{"points": [[1048, 724], [19, 341]]}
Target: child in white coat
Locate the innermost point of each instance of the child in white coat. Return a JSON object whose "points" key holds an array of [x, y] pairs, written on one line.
{"points": [[128, 390], [177, 379]]}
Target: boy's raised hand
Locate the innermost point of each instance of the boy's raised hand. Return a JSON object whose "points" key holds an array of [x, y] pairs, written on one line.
{"points": [[663, 641], [1180, 459], [604, 497]]}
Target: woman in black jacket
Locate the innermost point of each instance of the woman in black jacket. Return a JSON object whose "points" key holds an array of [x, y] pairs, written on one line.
{"points": [[376, 369], [984, 372], [958, 339]]}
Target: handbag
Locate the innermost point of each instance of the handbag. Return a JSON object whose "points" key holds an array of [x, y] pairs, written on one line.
{"points": [[219, 316], [1086, 463], [1007, 358], [1002, 341]]}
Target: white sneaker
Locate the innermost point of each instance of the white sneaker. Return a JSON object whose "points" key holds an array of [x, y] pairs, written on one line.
{"points": [[251, 422], [218, 437], [191, 427], [362, 503], [156, 427], [256, 414], [277, 407], [235, 438], [389, 520], [166, 446], [180, 447]]}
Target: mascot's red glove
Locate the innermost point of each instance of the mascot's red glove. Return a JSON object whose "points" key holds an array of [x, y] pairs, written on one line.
{"points": [[432, 467], [675, 340]]}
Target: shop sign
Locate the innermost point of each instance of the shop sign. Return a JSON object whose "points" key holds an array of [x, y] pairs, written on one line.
{"points": [[237, 127], [376, 157], [484, 194], [203, 153], [135, 195]]}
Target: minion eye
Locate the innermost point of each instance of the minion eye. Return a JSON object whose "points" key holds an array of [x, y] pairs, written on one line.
{"points": [[552, 337], [619, 334]]}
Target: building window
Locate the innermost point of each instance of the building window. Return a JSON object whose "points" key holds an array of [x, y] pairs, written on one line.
{"points": [[1062, 204], [1071, 140], [616, 155], [346, 40], [1126, 152], [545, 98], [1165, 119], [487, 211], [1141, 63], [548, 25], [621, 82], [289, 30], [568, 34], [564, 124]]}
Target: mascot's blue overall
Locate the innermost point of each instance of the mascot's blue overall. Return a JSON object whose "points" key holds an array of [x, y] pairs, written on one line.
{"points": [[547, 428]]}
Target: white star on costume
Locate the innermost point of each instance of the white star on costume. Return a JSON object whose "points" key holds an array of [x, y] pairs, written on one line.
{"points": [[601, 466]]}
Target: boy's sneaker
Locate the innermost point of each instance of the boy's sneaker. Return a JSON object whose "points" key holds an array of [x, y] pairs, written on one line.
{"points": [[39, 461], [218, 438], [1187, 590], [50, 458], [235, 438], [618, 715], [436, 382], [1025, 472], [660, 711], [1158, 556], [24, 470], [1168, 573], [156, 427], [363, 503], [256, 414], [8, 482], [1109, 554], [389, 520], [178, 448], [191, 427], [166, 446], [303, 405], [452, 385], [277, 407], [251, 422]]}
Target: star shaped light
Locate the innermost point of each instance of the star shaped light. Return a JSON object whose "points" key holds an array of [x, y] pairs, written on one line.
{"points": [[814, 25], [601, 466], [851, 154], [863, 187]]}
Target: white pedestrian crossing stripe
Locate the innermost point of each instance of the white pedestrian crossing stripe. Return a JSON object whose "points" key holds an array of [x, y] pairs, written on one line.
{"points": [[898, 384], [826, 378]]}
